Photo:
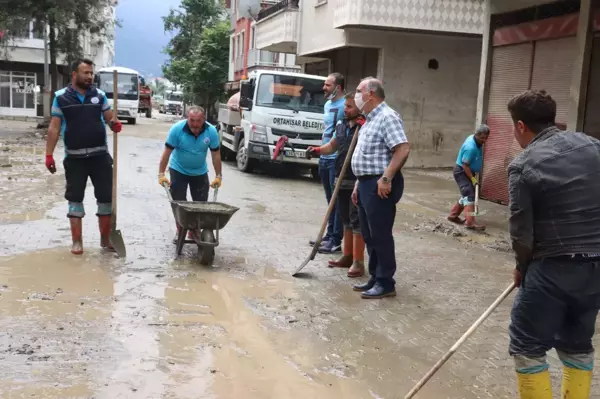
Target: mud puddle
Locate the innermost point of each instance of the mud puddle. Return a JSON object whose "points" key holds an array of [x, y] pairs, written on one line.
{"points": [[91, 326]]}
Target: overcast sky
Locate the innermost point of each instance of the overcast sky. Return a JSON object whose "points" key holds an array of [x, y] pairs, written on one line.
{"points": [[141, 39]]}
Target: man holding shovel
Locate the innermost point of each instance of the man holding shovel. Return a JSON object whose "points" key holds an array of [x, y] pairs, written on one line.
{"points": [[82, 110], [353, 243], [554, 186], [468, 165]]}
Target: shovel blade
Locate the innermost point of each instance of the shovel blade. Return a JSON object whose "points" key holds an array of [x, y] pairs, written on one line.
{"points": [[310, 257], [116, 240]]}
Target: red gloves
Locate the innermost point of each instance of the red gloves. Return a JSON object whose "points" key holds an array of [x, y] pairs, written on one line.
{"points": [[50, 164], [115, 126], [312, 151]]}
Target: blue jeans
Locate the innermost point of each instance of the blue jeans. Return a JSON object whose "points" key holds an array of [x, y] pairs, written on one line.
{"points": [[377, 216], [327, 175], [556, 307]]}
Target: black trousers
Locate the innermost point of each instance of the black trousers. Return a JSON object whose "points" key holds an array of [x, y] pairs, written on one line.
{"points": [[198, 186], [77, 171]]}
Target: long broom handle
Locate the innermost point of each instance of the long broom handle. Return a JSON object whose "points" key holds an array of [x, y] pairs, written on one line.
{"points": [[461, 341], [115, 148], [338, 184]]}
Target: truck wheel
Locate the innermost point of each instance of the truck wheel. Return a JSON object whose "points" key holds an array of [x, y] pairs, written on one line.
{"points": [[149, 113], [131, 121], [227, 154], [244, 163]]}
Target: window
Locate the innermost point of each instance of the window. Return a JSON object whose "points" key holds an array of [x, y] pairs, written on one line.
{"points": [[127, 85], [253, 37], [290, 92], [17, 90]]}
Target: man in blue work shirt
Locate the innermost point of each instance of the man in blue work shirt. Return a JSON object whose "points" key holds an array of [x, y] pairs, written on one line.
{"points": [[80, 111], [334, 112], [468, 165], [187, 147]]}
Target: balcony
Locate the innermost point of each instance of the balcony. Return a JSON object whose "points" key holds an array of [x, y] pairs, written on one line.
{"points": [[277, 27], [457, 16], [262, 59]]}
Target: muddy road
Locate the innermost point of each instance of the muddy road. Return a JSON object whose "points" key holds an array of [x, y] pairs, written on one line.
{"points": [[152, 326]]}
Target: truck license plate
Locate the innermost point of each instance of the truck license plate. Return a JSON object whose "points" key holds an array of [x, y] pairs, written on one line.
{"points": [[294, 154]]}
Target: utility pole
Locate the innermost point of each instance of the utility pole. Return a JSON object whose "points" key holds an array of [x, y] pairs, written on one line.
{"points": [[47, 86]]}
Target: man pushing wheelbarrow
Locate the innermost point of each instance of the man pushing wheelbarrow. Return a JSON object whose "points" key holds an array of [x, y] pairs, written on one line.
{"points": [[187, 147]]}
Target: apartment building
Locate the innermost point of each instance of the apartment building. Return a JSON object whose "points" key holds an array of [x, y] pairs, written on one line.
{"points": [[427, 52], [536, 44], [22, 68], [244, 56]]}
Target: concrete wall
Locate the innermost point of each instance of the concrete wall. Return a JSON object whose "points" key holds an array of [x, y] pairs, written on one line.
{"points": [[438, 106], [316, 33]]}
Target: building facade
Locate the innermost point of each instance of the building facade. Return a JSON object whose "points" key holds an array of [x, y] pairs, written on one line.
{"points": [[426, 52], [22, 68], [529, 44], [244, 56]]}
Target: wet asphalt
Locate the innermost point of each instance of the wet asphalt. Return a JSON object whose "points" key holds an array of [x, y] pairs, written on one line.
{"points": [[153, 326]]}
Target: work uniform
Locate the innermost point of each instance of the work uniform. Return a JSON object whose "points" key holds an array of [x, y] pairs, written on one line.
{"points": [[354, 246], [554, 186], [381, 133], [470, 153], [86, 149], [334, 112], [187, 165]]}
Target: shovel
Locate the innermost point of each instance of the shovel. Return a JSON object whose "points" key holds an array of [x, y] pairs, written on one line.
{"points": [[461, 341], [315, 248], [115, 237], [477, 212]]}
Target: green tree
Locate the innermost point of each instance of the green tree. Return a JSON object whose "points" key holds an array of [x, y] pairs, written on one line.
{"points": [[198, 52], [68, 21]]}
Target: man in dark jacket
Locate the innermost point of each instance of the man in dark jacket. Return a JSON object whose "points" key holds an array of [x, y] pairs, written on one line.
{"points": [[83, 111], [353, 243], [554, 187]]}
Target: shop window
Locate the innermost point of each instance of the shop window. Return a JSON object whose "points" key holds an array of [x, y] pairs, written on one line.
{"points": [[17, 90]]}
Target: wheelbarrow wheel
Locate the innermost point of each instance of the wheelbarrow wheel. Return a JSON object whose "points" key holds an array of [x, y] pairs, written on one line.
{"points": [[206, 255]]}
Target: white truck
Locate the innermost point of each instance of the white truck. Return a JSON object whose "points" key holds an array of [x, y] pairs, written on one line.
{"points": [[129, 90], [172, 103], [272, 105]]}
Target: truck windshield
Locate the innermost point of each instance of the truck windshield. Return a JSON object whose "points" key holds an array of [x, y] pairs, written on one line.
{"points": [[291, 92], [175, 97], [127, 85]]}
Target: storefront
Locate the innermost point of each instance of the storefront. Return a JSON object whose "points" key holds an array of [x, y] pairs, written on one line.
{"points": [[18, 93], [532, 54]]}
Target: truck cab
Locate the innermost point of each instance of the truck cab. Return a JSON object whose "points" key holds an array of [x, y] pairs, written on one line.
{"points": [[128, 90], [172, 103], [273, 105]]}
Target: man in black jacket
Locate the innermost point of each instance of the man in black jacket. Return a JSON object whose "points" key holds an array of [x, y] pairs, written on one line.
{"points": [[83, 111], [353, 243], [554, 187]]}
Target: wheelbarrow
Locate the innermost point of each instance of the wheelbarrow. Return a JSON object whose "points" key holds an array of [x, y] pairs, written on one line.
{"points": [[203, 220]]}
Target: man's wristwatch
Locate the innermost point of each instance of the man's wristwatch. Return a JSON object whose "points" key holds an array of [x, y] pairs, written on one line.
{"points": [[385, 179]]}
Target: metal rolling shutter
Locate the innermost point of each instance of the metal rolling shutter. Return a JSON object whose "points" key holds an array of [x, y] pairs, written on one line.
{"points": [[553, 72], [511, 69], [592, 115]]}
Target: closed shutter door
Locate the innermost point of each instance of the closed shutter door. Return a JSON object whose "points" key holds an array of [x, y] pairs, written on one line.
{"points": [[592, 107], [511, 69], [553, 72]]}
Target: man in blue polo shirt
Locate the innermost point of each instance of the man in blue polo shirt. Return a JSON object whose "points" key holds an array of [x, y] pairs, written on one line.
{"points": [[334, 112], [468, 165], [187, 147]]}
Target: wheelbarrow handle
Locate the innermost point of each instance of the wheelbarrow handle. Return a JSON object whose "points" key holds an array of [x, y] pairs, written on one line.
{"points": [[216, 191], [166, 187]]}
